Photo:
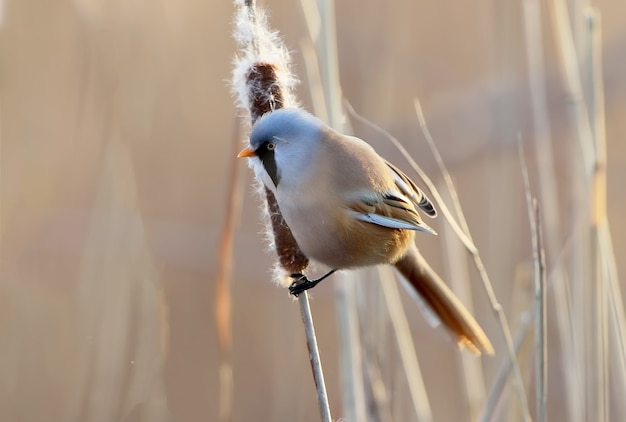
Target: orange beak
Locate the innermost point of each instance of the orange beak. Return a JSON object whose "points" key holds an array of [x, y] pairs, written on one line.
{"points": [[246, 152]]}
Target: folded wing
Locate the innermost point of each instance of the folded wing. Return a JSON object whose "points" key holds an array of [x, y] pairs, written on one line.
{"points": [[388, 209], [406, 186]]}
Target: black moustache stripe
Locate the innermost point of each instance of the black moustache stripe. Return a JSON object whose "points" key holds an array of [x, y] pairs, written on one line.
{"points": [[268, 159]]}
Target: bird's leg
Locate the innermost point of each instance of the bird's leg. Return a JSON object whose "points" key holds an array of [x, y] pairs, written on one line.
{"points": [[301, 283]]}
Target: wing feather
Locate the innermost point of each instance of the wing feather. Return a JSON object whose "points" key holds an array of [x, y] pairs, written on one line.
{"points": [[392, 223], [408, 188], [390, 209]]}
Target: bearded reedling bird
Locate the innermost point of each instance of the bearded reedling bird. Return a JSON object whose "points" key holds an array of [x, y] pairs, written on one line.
{"points": [[347, 207]]}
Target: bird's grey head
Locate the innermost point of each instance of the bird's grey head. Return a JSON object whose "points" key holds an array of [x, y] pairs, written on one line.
{"points": [[283, 140]]}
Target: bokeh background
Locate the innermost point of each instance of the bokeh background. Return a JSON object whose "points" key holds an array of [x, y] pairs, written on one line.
{"points": [[117, 128]]}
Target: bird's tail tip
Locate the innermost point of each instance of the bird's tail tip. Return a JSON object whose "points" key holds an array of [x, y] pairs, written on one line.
{"points": [[477, 348]]}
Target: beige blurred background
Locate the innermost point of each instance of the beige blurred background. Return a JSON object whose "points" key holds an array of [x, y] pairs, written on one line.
{"points": [[116, 130]]}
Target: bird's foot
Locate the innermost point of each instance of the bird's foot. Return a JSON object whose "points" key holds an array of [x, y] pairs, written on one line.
{"points": [[302, 283]]}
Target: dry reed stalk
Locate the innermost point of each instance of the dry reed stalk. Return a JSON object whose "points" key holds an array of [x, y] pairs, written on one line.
{"points": [[311, 66], [548, 193], [495, 305], [377, 345], [223, 313], [540, 308], [326, 41], [588, 281], [527, 319], [498, 387], [571, 74], [609, 295], [380, 409], [607, 264], [582, 289], [320, 18], [457, 271], [406, 347], [263, 83], [351, 356]]}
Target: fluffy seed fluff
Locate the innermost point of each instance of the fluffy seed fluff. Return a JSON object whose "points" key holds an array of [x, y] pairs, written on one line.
{"points": [[259, 45]]}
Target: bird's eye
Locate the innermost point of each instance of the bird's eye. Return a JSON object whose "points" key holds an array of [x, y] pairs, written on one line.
{"points": [[271, 146]]}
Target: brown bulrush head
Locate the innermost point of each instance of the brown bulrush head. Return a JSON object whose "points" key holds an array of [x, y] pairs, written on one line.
{"points": [[264, 90], [265, 95]]}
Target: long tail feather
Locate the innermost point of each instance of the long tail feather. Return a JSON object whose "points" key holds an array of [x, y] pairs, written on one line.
{"points": [[441, 301]]}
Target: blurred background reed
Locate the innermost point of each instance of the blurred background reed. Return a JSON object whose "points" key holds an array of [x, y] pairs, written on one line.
{"points": [[116, 152]]}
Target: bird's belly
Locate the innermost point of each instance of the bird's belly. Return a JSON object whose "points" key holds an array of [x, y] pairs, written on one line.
{"points": [[344, 242]]}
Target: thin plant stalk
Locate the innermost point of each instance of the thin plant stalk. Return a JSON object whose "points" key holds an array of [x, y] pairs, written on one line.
{"points": [[548, 192], [406, 347], [329, 61], [457, 267], [377, 346], [380, 409], [571, 74], [607, 279], [584, 350], [618, 321], [591, 315], [497, 387], [495, 305], [527, 319], [314, 356], [311, 65], [540, 307], [583, 290], [501, 379], [223, 313], [323, 33], [541, 329], [350, 353], [599, 214]]}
